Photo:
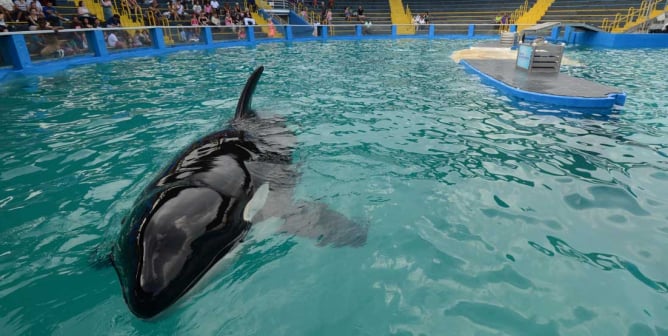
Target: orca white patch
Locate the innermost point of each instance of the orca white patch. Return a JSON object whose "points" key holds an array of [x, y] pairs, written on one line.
{"points": [[257, 202]]}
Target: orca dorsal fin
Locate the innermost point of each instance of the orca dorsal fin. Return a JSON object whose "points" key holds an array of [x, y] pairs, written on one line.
{"points": [[246, 98]]}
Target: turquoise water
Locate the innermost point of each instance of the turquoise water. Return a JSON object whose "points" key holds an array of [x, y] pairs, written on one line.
{"points": [[486, 216]]}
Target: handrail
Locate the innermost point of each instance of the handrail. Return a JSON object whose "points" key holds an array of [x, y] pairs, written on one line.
{"points": [[648, 10]]}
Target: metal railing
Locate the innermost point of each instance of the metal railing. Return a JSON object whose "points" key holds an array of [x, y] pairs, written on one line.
{"points": [[648, 10]]}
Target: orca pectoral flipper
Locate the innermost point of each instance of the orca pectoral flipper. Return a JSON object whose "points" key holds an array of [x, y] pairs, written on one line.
{"points": [[329, 227]]}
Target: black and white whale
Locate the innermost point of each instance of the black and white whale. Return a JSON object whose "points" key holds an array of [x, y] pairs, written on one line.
{"points": [[202, 205]]}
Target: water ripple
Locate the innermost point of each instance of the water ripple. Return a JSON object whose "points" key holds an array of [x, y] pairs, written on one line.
{"points": [[460, 185]]}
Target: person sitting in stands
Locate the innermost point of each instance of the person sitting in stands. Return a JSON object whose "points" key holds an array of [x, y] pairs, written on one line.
{"points": [[347, 14], [248, 19], [6, 8], [32, 19], [21, 10], [3, 25], [215, 5], [197, 8], [51, 43], [113, 42], [115, 21], [82, 10], [230, 23], [360, 14], [85, 23], [215, 19], [179, 9], [52, 16], [155, 9], [36, 5]]}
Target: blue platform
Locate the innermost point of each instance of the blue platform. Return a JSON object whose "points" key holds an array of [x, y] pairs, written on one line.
{"points": [[547, 88]]}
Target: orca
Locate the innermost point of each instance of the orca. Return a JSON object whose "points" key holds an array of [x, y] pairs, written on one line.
{"points": [[202, 205]]}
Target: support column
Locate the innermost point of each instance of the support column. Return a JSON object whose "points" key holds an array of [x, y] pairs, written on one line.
{"points": [[207, 35], [394, 31], [15, 51], [431, 30], [96, 43], [358, 32], [157, 38], [324, 32], [555, 33], [250, 33], [288, 33], [471, 30]]}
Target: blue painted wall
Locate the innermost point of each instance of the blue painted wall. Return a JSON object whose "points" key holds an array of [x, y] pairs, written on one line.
{"points": [[18, 60], [618, 41]]}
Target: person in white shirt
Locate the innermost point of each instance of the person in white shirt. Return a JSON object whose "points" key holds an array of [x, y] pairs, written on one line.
{"points": [[113, 42], [215, 5]]}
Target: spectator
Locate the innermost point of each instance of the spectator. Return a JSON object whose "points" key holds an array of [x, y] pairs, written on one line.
{"points": [[32, 19], [360, 13], [113, 42], [52, 16], [107, 9], [50, 43], [208, 9], [21, 11], [3, 25], [114, 21], [197, 8], [36, 5], [215, 5], [82, 10], [215, 19], [347, 14], [85, 23], [6, 8], [248, 19]]}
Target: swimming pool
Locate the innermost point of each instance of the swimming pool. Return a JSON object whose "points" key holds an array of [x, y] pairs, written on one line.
{"points": [[485, 215]]}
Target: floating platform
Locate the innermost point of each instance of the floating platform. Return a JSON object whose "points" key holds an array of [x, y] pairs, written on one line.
{"points": [[554, 88]]}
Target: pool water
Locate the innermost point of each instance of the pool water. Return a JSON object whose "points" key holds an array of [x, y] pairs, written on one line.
{"points": [[486, 216]]}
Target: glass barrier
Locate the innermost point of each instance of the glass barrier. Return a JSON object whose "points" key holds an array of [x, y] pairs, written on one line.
{"points": [[341, 30], [49, 45], [183, 35], [121, 39], [451, 29], [226, 33]]}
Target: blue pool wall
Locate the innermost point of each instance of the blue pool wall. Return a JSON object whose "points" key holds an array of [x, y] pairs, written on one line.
{"points": [[14, 49]]}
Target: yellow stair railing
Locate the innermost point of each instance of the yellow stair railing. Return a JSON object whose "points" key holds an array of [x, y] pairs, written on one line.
{"points": [[648, 10], [402, 18], [533, 15], [516, 14]]}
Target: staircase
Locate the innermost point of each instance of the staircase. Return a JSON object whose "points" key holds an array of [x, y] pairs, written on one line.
{"points": [[402, 18], [533, 15], [458, 14], [593, 12], [645, 13]]}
